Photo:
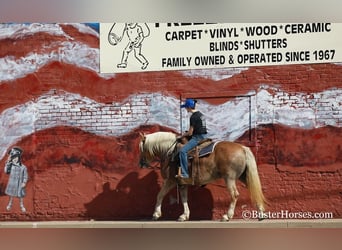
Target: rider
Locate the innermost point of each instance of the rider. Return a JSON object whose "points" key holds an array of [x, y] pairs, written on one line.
{"points": [[197, 131]]}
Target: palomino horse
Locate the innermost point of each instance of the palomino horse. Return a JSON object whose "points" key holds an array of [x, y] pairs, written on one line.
{"points": [[229, 160]]}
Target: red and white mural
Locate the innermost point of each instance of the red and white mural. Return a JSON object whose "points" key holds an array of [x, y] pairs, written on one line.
{"points": [[79, 129]]}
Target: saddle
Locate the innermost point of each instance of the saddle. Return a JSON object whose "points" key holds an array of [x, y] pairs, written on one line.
{"points": [[203, 149]]}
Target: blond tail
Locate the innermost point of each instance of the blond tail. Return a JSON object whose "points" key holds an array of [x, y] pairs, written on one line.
{"points": [[253, 181]]}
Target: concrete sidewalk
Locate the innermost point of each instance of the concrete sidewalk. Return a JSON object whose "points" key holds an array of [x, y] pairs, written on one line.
{"points": [[326, 223]]}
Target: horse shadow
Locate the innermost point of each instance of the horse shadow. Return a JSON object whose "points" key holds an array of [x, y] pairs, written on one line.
{"points": [[134, 199]]}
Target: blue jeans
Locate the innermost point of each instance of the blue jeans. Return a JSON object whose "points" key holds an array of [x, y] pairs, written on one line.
{"points": [[183, 153]]}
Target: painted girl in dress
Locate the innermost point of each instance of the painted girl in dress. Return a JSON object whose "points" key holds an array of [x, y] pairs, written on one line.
{"points": [[17, 178]]}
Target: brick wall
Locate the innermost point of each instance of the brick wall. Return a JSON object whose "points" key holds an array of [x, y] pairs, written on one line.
{"points": [[94, 117], [74, 176]]}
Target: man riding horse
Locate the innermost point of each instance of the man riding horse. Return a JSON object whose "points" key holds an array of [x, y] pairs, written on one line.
{"points": [[197, 131], [227, 160]]}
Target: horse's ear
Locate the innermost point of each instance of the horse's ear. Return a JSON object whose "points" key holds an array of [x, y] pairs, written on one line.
{"points": [[142, 136]]}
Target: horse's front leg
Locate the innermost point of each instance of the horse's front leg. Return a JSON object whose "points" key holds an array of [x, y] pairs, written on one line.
{"points": [[166, 187], [186, 211]]}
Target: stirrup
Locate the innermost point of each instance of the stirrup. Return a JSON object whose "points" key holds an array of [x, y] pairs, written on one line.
{"points": [[178, 176], [184, 181]]}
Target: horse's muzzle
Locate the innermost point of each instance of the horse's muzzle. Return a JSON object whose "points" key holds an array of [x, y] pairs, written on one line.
{"points": [[143, 164]]}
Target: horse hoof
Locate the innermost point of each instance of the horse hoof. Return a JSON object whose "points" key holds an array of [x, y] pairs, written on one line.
{"points": [[225, 218], [262, 218], [156, 217], [182, 218]]}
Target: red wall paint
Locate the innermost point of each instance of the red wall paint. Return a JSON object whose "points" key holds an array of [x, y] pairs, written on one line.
{"points": [[77, 175], [90, 179]]}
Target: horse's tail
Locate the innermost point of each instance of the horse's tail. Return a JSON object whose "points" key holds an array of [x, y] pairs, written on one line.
{"points": [[253, 180]]}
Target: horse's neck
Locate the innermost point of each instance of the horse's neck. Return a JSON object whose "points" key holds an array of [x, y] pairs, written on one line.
{"points": [[167, 150], [162, 143]]}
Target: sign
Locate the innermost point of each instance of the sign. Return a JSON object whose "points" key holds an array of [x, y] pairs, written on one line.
{"points": [[138, 47]]}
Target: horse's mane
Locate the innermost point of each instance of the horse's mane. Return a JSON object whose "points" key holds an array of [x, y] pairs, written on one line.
{"points": [[159, 143]]}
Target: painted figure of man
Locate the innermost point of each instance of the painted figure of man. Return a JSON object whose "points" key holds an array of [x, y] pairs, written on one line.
{"points": [[18, 178], [135, 34]]}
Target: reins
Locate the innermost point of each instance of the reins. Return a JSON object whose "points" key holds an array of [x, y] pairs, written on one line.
{"points": [[168, 151]]}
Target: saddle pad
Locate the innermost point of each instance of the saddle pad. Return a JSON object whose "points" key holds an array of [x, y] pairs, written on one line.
{"points": [[205, 150]]}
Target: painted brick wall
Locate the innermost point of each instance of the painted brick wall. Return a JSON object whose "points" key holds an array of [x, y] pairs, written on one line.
{"points": [[300, 167], [93, 117], [312, 188]]}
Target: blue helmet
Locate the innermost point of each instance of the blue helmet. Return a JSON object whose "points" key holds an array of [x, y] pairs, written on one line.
{"points": [[189, 103]]}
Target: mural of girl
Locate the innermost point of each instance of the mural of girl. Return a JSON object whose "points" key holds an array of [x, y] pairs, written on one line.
{"points": [[18, 178]]}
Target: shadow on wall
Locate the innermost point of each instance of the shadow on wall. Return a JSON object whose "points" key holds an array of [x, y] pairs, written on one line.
{"points": [[134, 199], [2, 189]]}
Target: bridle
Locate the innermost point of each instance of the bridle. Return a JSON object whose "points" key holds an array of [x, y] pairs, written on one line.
{"points": [[143, 163]]}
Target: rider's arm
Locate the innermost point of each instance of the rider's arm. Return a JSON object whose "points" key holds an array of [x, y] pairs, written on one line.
{"points": [[189, 133]]}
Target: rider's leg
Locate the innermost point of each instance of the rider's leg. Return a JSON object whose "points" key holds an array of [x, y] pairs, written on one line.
{"points": [[183, 155]]}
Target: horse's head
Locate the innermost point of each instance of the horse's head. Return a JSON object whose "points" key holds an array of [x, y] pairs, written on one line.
{"points": [[155, 146], [145, 157]]}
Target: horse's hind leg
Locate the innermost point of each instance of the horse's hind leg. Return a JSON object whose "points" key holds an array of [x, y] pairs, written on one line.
{"points": [[186, 211], [166, 187], [234, 194]]}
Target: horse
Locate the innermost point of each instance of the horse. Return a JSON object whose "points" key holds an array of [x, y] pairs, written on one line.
{"points": [[229, 160]]}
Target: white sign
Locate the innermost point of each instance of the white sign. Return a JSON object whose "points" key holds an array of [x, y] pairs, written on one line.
{"points": [[134, 47]]}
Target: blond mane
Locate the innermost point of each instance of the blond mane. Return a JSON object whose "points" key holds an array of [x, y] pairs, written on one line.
{"points": [[158, 143]]}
